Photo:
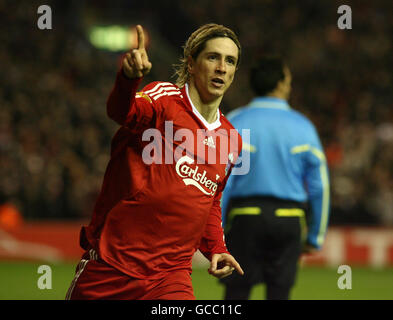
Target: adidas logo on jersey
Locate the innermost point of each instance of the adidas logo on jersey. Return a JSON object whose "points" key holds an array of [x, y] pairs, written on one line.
{"points": [[209, 141]]}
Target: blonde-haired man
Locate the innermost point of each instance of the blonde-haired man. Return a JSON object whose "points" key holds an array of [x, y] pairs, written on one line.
{"points": [[151, 216]]}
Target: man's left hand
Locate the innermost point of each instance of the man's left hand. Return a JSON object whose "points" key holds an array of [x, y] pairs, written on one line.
{"points": [[223, 264]]}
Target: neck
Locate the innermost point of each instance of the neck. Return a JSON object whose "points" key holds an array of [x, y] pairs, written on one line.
{"points": [[278, 94], [208, 109]]}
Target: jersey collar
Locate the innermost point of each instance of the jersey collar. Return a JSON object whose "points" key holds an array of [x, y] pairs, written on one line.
{"points": [[210, 126], [269, 102]]}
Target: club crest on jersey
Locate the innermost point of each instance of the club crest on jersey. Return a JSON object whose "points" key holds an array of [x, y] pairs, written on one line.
{"points": [[141, 94], [194, 177]]}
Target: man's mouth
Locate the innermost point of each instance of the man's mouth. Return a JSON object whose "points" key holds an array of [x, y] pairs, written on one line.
{"points": [[218, 82]]}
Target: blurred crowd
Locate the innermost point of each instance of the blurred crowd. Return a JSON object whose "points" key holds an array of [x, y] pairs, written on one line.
{"points": [[55, 135]]}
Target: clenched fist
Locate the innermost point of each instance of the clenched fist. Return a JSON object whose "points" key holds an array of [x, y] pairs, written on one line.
{"points": [[136, 63]]}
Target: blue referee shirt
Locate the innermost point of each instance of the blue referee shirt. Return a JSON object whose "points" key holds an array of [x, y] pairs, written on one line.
{"points": [[286, 161]]}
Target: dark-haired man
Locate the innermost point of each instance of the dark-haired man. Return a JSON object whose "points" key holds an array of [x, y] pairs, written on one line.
{"points": [[265, 211]]}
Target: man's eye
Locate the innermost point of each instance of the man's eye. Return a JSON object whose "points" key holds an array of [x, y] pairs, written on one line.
{"points": [[231, 61], [212, 57]]}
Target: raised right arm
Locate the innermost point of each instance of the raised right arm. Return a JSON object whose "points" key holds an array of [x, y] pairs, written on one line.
{"points": [[121, 105]]}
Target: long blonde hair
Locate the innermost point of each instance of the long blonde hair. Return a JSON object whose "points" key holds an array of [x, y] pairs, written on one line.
{"points": [[196, 43]]}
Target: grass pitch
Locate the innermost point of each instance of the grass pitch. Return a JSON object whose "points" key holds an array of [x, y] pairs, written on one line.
{"points": [[19, 281], [314, 283]]}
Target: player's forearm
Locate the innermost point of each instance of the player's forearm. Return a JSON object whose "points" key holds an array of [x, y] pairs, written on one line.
{"points": [[122, 97], [210, 247], [213, 238], [226, 196]]}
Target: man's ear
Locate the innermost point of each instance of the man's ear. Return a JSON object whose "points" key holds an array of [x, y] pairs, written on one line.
{"points": [[280, 85], [190, 65]]}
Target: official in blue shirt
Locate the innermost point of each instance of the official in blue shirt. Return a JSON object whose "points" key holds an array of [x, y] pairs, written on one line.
{"points": [[281, 207]]}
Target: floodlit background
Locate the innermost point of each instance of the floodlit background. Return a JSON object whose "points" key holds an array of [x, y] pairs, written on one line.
{"points": [[55, 136]]}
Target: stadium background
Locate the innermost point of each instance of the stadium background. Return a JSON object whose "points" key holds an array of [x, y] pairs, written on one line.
{"points": [[55, 136]]}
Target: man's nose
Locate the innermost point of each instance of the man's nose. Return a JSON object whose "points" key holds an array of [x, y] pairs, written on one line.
{"points": [[221, 66]]}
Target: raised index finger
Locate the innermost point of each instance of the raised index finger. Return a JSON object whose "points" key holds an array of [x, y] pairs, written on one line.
{"points": [[141, 37]]}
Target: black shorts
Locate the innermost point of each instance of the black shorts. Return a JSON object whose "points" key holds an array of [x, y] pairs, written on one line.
{"points": [[265, 235]]}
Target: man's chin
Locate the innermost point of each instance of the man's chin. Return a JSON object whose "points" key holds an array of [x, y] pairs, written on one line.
{"points": [[217, 92]]}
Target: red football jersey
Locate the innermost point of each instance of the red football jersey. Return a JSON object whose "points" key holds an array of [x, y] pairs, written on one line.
{"points": [[160, 198]]}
